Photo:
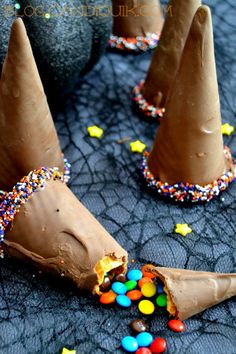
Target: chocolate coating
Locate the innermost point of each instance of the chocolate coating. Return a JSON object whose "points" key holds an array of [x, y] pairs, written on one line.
{"points": [[166, 57], [189, 144], [28, 138], [139, 326], [42, 235], [134, 18], [191, 292]]}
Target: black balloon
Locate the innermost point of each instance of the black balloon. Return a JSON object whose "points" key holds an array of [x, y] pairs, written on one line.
{"points": [[67, 37]]}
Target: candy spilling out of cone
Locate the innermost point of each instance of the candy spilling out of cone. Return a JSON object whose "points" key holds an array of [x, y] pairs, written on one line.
{"points": [[136, 27], [188, 161], [51, 228]]}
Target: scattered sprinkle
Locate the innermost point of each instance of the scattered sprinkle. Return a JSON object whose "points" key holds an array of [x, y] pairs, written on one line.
{"points": [[227, 129], [137, 44], [137, 146], [183, 229], [95, 132]]}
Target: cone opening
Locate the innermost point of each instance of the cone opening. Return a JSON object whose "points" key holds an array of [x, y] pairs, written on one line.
{"points": [[171, 308], [188, 192], [106, 265], [148, 109], [136, 44]]}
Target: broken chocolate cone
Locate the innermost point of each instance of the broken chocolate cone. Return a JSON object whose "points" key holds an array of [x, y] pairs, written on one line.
{"points": [[57, 233], [28, 138], [132, 18], [166, 57], [191, 292], [189, 146]]}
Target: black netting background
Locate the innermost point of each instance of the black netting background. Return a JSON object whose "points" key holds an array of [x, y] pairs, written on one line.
{"points": [[38, 315]]}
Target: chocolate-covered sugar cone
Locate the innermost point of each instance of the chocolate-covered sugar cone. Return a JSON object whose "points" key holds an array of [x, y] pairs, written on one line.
{"points": [[57, 233], [28, 137], [136, 24], [188, 153], [191, 292], [151, 94]]}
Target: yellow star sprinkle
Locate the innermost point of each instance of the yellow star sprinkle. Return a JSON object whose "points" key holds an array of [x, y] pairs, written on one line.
{"points": [[95, 132], [227, 129], [67, 351], [183, 229], [137, 146]]}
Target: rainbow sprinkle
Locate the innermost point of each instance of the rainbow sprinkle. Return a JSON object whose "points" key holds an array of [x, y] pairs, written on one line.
{"points": [[137, 44], [23, 190], [147, 109], [187, 192]]}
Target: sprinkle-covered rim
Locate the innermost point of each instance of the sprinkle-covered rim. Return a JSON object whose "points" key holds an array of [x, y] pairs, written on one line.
{"points": [[147, 109], [136, 44], [10, 202], [187, 192]]}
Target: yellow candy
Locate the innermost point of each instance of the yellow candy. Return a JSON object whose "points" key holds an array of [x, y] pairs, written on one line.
{"points": [[146, 307], [149, 289]]}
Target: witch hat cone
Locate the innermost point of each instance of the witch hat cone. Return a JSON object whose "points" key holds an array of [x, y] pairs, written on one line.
{"points": [[28, 137], [204, 289], [188, 148], [136, 24], [153, 92], [54, 231]]}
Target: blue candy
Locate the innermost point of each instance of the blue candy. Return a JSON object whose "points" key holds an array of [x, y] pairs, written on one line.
{"points": [[129, 344], [160, 289], [119, 288], [144, 339], [123, 301], [134, 274]]}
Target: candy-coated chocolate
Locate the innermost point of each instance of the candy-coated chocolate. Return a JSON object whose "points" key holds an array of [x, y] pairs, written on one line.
{"points": [[149, 289], [134, 274], [130, 285], [123, 301], [161, 300], [119, 288], [176, 325], [160, 288], [158, 346], [147, 274], [139, 326], [146, 307], [129, 344], [120, 278], [134, 295], [144, 339], [108, 298], [143, 281], [143, 351], [106, 285]]}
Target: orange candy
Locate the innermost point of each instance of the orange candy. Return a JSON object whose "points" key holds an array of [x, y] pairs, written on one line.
{"points": [[108, 298], [143, 281], [134, 295], [146, 274]]}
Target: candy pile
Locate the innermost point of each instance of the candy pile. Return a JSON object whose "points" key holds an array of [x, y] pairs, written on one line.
{"points": [[149, 294]]}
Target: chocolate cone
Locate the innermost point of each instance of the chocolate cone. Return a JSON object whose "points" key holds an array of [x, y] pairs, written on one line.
{"points": [[132, 18], [191, 292], [189, 146], [28, 138], [57, 233], [166, 57]]}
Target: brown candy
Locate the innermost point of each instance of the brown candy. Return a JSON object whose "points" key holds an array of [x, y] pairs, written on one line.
{"points": [[121, 278], [106, 285], [139, 326]]}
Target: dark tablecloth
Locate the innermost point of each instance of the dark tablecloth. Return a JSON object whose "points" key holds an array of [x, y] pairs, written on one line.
{"points": [[37, 313]]}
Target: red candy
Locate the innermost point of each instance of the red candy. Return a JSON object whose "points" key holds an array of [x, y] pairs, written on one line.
{"points": [[134, 295], [158, 346], [176, 325], [143, 351]]}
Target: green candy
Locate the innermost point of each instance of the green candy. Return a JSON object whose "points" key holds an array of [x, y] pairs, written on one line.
{"points": [[131, 285], [161, 300]]}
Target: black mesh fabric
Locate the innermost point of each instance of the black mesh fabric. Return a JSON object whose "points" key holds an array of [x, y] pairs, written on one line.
{"points": [[40, 315]]}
